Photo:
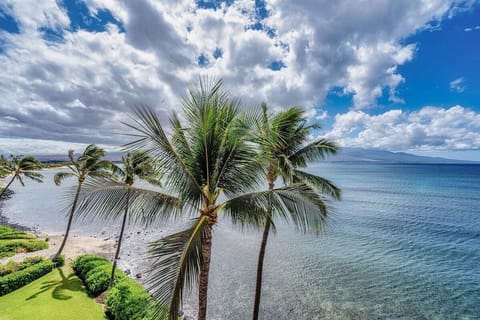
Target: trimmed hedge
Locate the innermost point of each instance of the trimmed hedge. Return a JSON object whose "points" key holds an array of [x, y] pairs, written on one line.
{"points": [[126, 300], [59, 261], [16, 235], [12, 266], [20, 278], [11, 246], [95, 272], [9, 233]]}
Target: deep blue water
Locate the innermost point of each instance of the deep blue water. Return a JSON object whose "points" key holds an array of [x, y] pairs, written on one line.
{"points": [[404, 243]]}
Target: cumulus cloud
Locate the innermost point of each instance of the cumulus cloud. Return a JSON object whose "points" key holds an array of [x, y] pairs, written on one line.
{"points": [[25, 146], [458, 85], [430, 128], [78, 86], [469, 29]]}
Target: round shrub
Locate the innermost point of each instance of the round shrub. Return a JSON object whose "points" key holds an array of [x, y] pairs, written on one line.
{"points": [[59, 261], [127, 300], [97, 279]]}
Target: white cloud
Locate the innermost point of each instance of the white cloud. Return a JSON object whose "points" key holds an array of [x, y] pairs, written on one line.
{"points": [[79, 89], [469, 29], [458, 85], [430, 128], [25, 146]]}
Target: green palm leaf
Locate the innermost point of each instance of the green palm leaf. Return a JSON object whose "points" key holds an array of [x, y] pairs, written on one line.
{"points": [[177, 261], [152, 139], [35, 176], [322, 185], [60, 176], [105, 199]]}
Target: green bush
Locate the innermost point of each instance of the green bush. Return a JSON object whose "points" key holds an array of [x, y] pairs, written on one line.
{"points": [[12, 266], [16, 235], [95, 272], [11, 246], [97, 279], [20, 278], [127, 300], [59, 261], [84, 264], [9, 233]]}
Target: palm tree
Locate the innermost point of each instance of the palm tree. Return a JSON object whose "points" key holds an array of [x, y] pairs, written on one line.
{"points": [[283, 148], [134, 164], [208, 163], [18, 167], [88, 164]]}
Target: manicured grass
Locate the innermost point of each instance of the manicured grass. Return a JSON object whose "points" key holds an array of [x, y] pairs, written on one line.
{"points": [[58, 295]]}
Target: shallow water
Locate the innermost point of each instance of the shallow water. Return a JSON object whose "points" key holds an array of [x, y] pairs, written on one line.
{"points": [[404, 243]]}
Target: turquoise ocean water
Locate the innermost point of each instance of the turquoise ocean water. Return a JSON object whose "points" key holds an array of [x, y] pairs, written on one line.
{"points": [[404, 243]]}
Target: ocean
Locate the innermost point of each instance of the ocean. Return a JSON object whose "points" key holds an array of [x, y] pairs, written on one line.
{"points": [[404, 243]]}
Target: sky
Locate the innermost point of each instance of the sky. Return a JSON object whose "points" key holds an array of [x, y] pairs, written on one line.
{"points": [[391, 75]]}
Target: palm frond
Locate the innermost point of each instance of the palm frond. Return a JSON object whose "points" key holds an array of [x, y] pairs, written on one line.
{"points": [[305, 207], [29, 163], [105, 199], [320, 184], [297, 203], [35, 176], [60, 176], [313, 151], [176, 266], [152, 139]]}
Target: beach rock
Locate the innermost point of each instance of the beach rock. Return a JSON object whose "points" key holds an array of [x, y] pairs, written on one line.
{"points": [[128, 272], [138, 275]]}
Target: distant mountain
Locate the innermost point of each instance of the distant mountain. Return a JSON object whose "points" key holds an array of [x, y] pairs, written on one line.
{"points": [[374, 155], [345, 155]]}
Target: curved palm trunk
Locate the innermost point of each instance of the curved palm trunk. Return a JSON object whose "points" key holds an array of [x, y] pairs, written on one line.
{"points": [[203, 281], [261, 256], [70, 218], [122, 230], [7, 186]]}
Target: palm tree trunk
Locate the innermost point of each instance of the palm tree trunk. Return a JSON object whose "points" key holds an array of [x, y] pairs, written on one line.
{"points": [[6, 187], [203, 281], [70, 218], [119, 244], [261, 256]]}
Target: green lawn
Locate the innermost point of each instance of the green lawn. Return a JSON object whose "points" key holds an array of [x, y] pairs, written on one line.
{"points": [[58, 295]]}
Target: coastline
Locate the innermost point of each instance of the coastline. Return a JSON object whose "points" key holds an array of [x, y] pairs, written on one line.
{"points": [[75, 246]]}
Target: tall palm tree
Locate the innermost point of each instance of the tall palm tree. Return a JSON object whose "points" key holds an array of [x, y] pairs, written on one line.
{"points": [[88, 164], [283, 149], [207, 162], [18, 167], [134, 164]]}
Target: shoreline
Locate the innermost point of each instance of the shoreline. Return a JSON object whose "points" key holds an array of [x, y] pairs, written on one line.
{"points": [[75, 246]]}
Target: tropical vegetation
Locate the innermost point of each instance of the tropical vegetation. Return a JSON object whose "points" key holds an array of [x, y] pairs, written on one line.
{"points": [[19, 168], [88, 164], [12, 241], [138, 164], [209, 163], [125, 300], [209, 160], [283, 148], [57, 295]]}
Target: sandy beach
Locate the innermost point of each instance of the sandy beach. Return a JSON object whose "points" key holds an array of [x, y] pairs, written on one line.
{"points": [[76, 245]]}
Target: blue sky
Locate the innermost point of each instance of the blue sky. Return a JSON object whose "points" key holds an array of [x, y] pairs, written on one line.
{"points": [[399, 76]]}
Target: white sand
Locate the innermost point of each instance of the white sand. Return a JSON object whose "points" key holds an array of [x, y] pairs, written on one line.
{"points": [[75, 246]]}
